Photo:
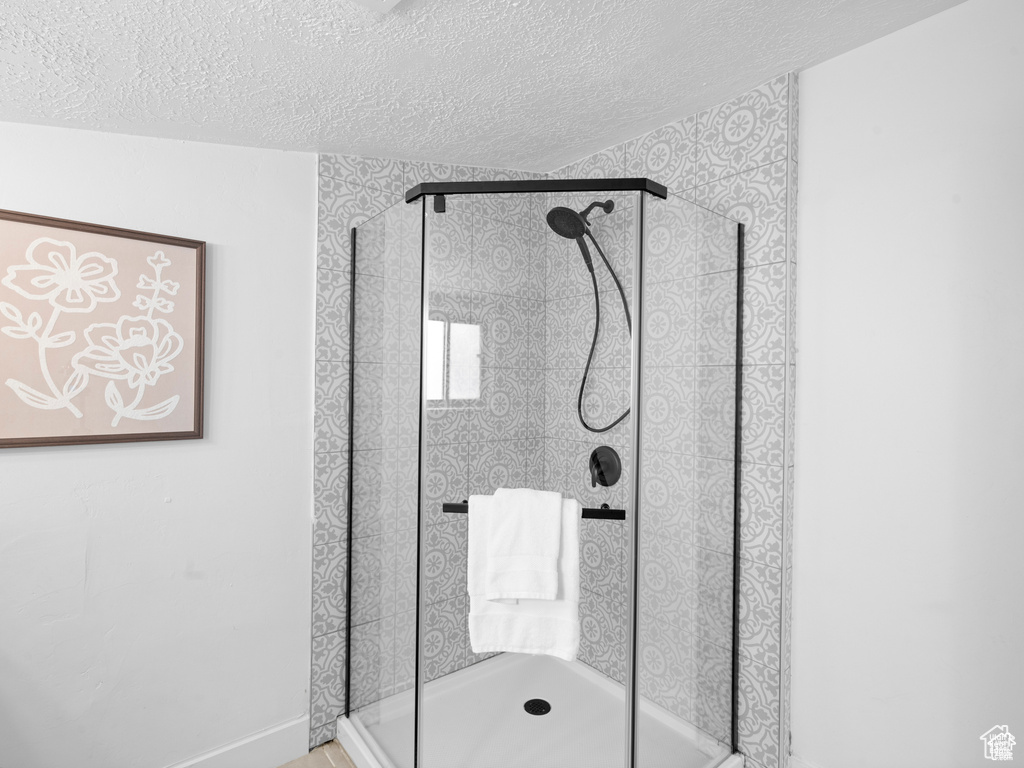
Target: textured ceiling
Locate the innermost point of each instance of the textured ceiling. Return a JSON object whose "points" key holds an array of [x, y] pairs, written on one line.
{"points": [[529, 84]]}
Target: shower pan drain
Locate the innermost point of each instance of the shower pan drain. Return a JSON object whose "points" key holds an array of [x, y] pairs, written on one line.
{"points": [[537, 707]]}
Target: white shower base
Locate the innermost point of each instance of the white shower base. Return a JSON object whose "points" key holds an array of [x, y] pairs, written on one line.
{"points": [[474, 718]]}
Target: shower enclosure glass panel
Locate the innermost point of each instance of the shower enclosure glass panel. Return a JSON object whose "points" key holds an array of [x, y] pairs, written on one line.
{"points": [[384, 483], [505, 309], [510, 316], [687, 485]]}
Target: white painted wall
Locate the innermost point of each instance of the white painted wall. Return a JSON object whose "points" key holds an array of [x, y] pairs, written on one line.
{"points": [[155, 597], [909, 548]]}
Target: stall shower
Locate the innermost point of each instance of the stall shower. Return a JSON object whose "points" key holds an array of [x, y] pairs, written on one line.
{"points": [[493, 349]]}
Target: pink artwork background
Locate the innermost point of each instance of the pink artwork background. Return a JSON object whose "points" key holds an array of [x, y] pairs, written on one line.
{"points": [[124, 319]]}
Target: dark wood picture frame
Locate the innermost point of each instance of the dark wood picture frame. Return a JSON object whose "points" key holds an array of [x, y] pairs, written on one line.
{"points": [[68, 265]]}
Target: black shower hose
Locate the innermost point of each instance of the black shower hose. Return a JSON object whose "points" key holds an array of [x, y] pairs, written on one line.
{"points": [[593, 343]]}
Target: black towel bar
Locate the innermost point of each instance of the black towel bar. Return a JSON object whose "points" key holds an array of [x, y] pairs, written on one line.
{"points": [[589, 513]]}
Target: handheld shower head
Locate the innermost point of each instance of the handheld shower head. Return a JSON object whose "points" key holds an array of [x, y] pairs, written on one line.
{"points": [[571, 225], [587, 259], [567, 223]]}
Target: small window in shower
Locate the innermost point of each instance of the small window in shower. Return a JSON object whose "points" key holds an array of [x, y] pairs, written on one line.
{"points": [[453, 362]]}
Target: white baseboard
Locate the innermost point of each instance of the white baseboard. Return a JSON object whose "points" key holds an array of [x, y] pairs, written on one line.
{"points": [[798, 762], [269, 748]]}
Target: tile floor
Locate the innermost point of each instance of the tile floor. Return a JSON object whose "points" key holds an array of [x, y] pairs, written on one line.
{"points": [[329, 755]]}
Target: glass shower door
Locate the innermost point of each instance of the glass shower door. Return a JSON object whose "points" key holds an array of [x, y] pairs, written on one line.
{"points": [[510, 312], [383, 490], [685, 553]]}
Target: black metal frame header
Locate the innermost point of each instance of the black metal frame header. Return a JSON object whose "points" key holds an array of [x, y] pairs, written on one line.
{"points": [[535, 185]]}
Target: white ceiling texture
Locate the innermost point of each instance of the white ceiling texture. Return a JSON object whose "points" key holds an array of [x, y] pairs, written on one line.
{"points": [[527, 84]]}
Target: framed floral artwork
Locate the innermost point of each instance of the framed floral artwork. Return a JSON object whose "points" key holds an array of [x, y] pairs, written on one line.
{"points": [[101, 333]]}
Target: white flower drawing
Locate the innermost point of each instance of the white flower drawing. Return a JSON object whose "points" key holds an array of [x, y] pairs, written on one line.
{"points": [[138, 350], [135, 349], [57, 273]]}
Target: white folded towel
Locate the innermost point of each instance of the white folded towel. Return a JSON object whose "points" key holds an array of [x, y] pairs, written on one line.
{"points": [[523, 531], [530, 625]]}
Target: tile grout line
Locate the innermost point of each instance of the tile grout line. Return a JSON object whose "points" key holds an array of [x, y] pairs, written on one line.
{"points": [[727, 176], [370, 188]]}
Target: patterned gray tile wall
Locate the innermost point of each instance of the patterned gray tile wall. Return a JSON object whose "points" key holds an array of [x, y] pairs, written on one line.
{"points": [[739, 159]]}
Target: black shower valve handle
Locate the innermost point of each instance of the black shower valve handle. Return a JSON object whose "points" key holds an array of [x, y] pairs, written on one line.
{"points": [[605, 467]]}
